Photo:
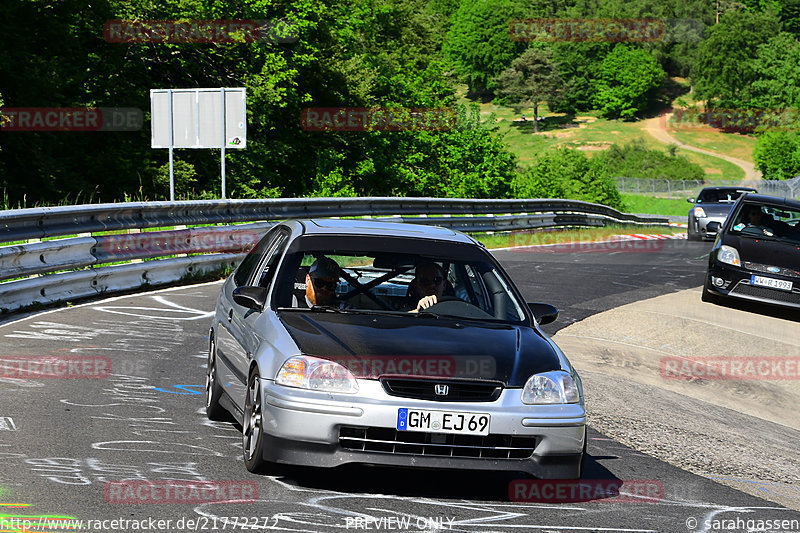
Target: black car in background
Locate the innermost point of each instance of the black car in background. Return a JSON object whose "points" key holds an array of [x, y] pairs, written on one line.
{"points": [[757, 253], [712, 205]]}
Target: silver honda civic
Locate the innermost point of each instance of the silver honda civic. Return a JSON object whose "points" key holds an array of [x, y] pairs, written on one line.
{"points": [[351, 341]]}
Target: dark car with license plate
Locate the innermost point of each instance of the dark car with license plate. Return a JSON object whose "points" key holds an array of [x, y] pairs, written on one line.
{"points": [[711, 205], [470, 382], [757, 253]]}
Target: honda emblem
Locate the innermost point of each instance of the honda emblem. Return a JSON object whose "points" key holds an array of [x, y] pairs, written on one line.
{"points": [[441, 390]]}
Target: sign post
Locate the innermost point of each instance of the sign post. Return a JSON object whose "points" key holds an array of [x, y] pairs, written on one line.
{"points": [[198, 118]]}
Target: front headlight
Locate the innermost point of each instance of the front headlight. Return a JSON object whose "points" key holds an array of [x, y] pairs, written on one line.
{"points": [[549, 388], [699, 213], [313, 373], [728, 254]]}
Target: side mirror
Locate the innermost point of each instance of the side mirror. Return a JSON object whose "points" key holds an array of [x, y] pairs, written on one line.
{"points": [[251, 297], [690, 200], [544, 313], [713, 227]]}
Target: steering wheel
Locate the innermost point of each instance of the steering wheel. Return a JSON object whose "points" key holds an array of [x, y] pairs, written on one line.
{"points": [[757, 231], [455, 306]]}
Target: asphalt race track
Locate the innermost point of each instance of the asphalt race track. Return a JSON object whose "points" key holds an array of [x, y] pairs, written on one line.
{"points": [[64, 441]]}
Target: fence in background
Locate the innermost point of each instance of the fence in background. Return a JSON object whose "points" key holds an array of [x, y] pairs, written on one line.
{"points": [[689, 188]]}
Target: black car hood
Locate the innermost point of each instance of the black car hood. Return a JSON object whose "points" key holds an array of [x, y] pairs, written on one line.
{"points": [[372, 345], [716, 210], [766, 252]]}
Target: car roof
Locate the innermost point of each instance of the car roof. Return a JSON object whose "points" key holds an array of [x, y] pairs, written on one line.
{"points": [[728, 189], [772, 200], [333, 226]]}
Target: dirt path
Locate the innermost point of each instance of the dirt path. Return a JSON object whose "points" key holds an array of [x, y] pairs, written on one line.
{"points": [[655, 127]]}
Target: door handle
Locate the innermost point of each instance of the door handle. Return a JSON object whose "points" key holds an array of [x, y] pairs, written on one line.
{"points": [[230, 315]]}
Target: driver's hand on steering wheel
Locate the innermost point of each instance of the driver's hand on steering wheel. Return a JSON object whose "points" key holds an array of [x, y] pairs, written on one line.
{"points": [[426, 302]]}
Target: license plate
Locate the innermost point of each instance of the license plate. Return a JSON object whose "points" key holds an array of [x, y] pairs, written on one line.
{"points": [[442, 422], [779, 284]]}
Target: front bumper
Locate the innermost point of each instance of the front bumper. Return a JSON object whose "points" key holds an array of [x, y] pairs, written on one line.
{"points": [[734, 282], [304, 427]]}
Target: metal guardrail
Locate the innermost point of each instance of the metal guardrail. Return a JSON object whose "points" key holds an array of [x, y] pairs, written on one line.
{"points": [[222, 246]]}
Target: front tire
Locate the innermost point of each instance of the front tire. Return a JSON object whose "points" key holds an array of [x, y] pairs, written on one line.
{"points": [[708, 296], [214, 411], [252, 426]]}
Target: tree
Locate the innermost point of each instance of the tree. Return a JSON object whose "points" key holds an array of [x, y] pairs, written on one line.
{"points": [[777, 154], [724, 67], [478, 45], [778, 69], [531, 79], [579, 64], [628, 76]]}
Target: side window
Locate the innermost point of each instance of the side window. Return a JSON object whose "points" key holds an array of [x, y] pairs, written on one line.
{"points": [[270, 262], [476, 288], [250, 262]]}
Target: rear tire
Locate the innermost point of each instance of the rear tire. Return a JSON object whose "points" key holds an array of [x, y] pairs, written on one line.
{"points": [[214, 411]]}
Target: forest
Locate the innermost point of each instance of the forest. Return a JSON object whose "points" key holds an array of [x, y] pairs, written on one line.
{"points": [[388, 55]]}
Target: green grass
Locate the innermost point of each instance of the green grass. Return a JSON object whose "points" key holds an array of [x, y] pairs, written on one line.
{"points": [[592, 134], [635, 203], [732, 144]]}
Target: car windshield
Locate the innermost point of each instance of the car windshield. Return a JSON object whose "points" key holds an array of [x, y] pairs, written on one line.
{"points": [[718, 196], [394, 282], [759, 221]]}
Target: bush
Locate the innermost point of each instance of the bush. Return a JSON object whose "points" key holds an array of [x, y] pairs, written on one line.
{"points": [[777, 154], [635, 160], [567, 174]]}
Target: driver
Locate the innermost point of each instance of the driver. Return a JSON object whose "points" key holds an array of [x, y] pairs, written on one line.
{"points": [[754, 217], [428, 285], [321, 281]]}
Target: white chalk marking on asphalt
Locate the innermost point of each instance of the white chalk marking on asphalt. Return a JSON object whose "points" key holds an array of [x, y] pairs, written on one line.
{"points": [[172, 307], [7, 424]]}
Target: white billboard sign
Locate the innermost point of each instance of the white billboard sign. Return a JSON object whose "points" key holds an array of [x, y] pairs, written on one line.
{"points": [[198, 118]]}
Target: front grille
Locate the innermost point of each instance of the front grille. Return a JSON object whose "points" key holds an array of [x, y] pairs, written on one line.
{"points": [[768, 294], [757, 267], [388, 440], [457, 391]]}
